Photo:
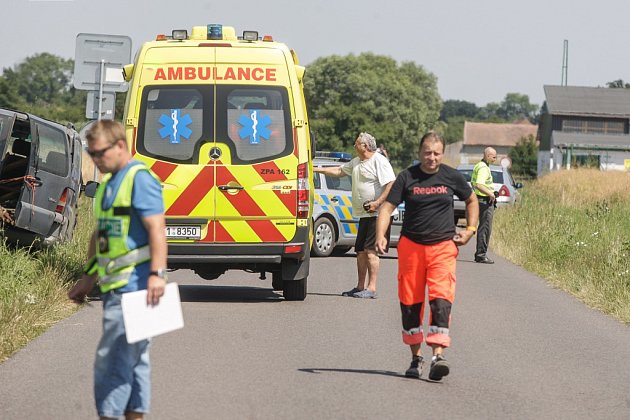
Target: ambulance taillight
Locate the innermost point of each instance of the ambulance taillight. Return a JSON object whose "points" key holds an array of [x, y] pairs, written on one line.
{"points": [[302, 191]]}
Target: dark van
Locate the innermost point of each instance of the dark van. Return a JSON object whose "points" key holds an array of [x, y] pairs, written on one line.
{"points": [[40, 179]]}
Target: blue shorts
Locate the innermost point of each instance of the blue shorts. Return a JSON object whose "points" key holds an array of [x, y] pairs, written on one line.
{"points": [[121, 370]]}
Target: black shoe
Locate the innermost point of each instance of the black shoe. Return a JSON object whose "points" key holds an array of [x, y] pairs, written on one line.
{"points": [[484, 260], [415, 368], [439, 368], [351, 292]]}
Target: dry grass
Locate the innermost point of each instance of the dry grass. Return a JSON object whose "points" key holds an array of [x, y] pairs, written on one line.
{"points": [[573, 229], [584, 187]]}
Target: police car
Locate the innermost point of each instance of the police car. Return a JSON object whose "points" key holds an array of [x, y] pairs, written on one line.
{"points": [[334, 227]]}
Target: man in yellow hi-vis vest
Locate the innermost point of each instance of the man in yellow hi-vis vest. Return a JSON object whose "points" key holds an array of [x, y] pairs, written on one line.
{"points": [[482, 184], [127, 252]]}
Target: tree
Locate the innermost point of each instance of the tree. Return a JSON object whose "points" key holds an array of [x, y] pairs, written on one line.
{"points": [[41, 85], [454, 129], [525, 157], [618, 84], [395, 103], [516, 106], [456, 108]]}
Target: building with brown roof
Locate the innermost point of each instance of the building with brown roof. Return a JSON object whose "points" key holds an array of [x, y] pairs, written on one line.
{"points": [[502, 137]]}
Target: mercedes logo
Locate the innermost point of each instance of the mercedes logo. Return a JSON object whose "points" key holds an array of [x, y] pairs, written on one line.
{"points": [[215, 153]]}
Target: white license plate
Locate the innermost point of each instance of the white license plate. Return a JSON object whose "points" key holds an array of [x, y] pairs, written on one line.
{"points": [[183, 232], [400, 216]]}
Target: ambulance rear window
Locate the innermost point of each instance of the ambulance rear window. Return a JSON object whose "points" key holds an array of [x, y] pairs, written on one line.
{"points": [[173, 122], [258, 122], [254, 122]]}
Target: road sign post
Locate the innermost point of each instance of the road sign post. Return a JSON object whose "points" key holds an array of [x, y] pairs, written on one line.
{"points": [[98, 64]]}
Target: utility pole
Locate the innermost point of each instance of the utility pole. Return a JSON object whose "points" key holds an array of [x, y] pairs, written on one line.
{"points": [[565, 64]]}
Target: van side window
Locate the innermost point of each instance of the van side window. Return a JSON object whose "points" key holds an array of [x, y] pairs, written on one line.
{"points": [[52, 153], [17, 152], [258, 122], [172, 122]]}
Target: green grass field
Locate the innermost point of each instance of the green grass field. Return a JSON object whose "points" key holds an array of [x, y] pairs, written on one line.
{"points": [[33, 285]]}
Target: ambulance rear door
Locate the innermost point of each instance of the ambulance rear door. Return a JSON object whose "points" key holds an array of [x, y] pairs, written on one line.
{"points": [[176, 131], [255, 155]]}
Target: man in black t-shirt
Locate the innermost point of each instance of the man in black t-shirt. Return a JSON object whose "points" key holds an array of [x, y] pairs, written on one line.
{"points": [[427, 249]]}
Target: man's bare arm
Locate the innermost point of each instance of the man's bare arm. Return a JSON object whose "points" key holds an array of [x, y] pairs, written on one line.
{"points": [[374, 205], [156, 230], [382, 223], [330, 170]]}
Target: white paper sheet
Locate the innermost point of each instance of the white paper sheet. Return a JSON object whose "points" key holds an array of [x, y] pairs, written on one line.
{"points": [[143, 321]]}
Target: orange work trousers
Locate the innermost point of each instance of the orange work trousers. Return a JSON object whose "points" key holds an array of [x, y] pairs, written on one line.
{"points": [[426, 270]]}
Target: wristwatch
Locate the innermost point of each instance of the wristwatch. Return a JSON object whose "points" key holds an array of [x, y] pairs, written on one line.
{"points": [[160, 272], [472, 229]]}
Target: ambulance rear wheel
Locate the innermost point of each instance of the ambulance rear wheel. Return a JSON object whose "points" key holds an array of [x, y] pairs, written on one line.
{"points": [[323, 238], [294, 289], [276, 280]]}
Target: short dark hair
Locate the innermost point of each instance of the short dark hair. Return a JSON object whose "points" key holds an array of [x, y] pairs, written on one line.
{"points": [[433, 137]]}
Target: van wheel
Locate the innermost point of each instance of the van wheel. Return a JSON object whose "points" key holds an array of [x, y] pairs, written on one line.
{"points": [[294, 289], [276, 280], [324, 238]]}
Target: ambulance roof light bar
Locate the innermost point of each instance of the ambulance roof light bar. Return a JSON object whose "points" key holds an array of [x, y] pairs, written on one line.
{"points": [[179, 34], [215, 31], [250, 35]]}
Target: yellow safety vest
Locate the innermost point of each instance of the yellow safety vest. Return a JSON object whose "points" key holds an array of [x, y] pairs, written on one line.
{"points": [[115, 261], [475, 175]]}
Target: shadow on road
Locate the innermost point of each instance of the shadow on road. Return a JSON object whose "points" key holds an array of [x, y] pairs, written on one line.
{"points": [[326, 294], [196, 293], [354, 256], [363, 371]]}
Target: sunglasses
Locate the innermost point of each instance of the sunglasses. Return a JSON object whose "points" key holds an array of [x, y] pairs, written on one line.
{"points": [[99, 153]]}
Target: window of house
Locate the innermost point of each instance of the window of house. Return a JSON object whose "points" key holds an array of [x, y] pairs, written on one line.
{"points": [[591, 126]]}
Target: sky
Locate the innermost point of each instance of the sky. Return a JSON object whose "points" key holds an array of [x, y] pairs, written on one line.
{"points": [[479, 50]]}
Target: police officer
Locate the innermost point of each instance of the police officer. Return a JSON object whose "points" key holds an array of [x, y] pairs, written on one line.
{"points": [[127, 252], [482, 184]]}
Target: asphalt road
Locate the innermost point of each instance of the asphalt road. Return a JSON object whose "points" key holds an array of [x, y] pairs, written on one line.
{"points": [[520, 350]]}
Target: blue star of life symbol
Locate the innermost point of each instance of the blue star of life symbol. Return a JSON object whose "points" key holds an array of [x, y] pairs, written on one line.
{"points": [[255, 128], [175, 126]]}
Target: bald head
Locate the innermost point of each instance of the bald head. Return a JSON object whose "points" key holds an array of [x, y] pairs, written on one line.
{"points": [[489, 155]]}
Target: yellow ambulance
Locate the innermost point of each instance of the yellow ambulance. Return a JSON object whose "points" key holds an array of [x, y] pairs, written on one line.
{"points": [[222, 120]]}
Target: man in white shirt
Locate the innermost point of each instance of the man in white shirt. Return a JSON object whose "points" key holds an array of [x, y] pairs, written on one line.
{"points": [[372, 178]]}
